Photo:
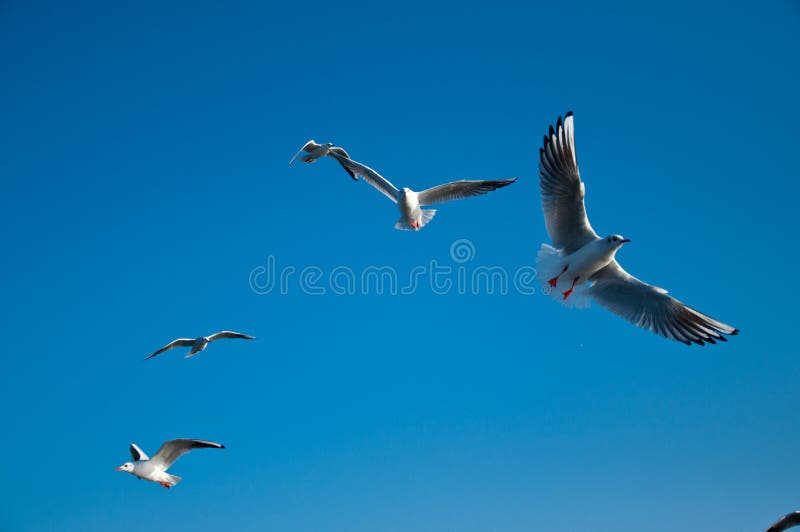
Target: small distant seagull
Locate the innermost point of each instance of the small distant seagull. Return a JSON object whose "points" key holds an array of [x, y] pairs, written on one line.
{"points": [[582, 265], [409, 202], [314, 151], [155, 469], [198, 344]]}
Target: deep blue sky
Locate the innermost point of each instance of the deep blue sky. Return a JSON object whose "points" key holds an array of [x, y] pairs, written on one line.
{"points": [[143, 153]]}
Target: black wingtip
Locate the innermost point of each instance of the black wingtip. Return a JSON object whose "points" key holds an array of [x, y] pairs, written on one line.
{"points": [[558, 123], [552, 131], [569, 114]]}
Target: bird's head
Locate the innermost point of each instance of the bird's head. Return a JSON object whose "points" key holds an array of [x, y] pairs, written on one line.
{"points": [[329, 144], [616, 241], [127, 467]]}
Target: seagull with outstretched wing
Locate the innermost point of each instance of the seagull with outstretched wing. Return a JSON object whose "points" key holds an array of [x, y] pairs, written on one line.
{"points": [[312, 151], [413, 217], [155, 469], [198, 344], [581, 267]]}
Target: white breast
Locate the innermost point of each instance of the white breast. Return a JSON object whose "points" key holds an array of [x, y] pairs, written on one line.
{"points": [[589, 259]]}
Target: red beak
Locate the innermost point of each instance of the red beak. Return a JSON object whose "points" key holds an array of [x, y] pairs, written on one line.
{"points": [[117, 469], [625, 240]]}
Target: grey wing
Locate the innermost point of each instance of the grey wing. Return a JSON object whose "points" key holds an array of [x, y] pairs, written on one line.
{"points": [[308, 147], [370, 176], [651, 308], [137, 453], [174, 449], [457, 190], [340, 151], [229, 334], [180, 342], [562, 189], [785, 522]]}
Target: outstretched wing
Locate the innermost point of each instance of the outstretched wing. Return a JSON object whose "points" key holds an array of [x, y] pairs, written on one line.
{"points": [[137, 453], [562, 189], [229, 334], [651, 308], [180, 342], [308, 146], [340, 151], [174, 449], [457, 190], [370, 176], [785, 522]]}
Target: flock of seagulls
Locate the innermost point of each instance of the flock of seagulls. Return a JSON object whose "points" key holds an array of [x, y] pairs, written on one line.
{"points": [[578, 267]]}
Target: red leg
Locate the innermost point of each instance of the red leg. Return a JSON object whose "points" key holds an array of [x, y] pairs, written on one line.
{"points": [[165, 485], [568, 293], [554, 281]]}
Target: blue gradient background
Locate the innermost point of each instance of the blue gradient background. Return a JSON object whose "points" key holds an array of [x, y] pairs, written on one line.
{"points": [[143, 152]]}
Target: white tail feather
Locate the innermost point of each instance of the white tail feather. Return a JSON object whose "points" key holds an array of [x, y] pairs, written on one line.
{"points": [[549, 264], [427, 216], [172, 479]]}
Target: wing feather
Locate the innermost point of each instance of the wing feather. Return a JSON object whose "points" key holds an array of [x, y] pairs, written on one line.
{"points": [[370, 176], [229, 334], [562, 189], [174, 449], [137, 453], [651, 308], [340, 151], [457, 190], [307, 147], [180, 342]]}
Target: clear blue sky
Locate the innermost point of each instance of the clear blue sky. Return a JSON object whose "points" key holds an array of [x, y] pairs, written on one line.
{"points": [[143, 153]]}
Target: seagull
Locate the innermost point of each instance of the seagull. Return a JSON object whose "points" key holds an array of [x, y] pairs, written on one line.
{"points": [[409, 202], [315, 151], [198, 344], [582, 266], [155, 469], [785, 522]]}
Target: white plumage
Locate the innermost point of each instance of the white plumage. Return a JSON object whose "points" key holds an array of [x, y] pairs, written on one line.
{"points": [[582, 264]]}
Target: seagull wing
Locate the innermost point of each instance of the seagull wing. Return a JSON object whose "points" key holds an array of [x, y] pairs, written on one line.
{"points": [[137, 453], [229, 334], [651, 308], [562, 189], [370, 176], [785, 522], [174, 449], [340, 151], [180, 342], [308, 146], [457, 190]]}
